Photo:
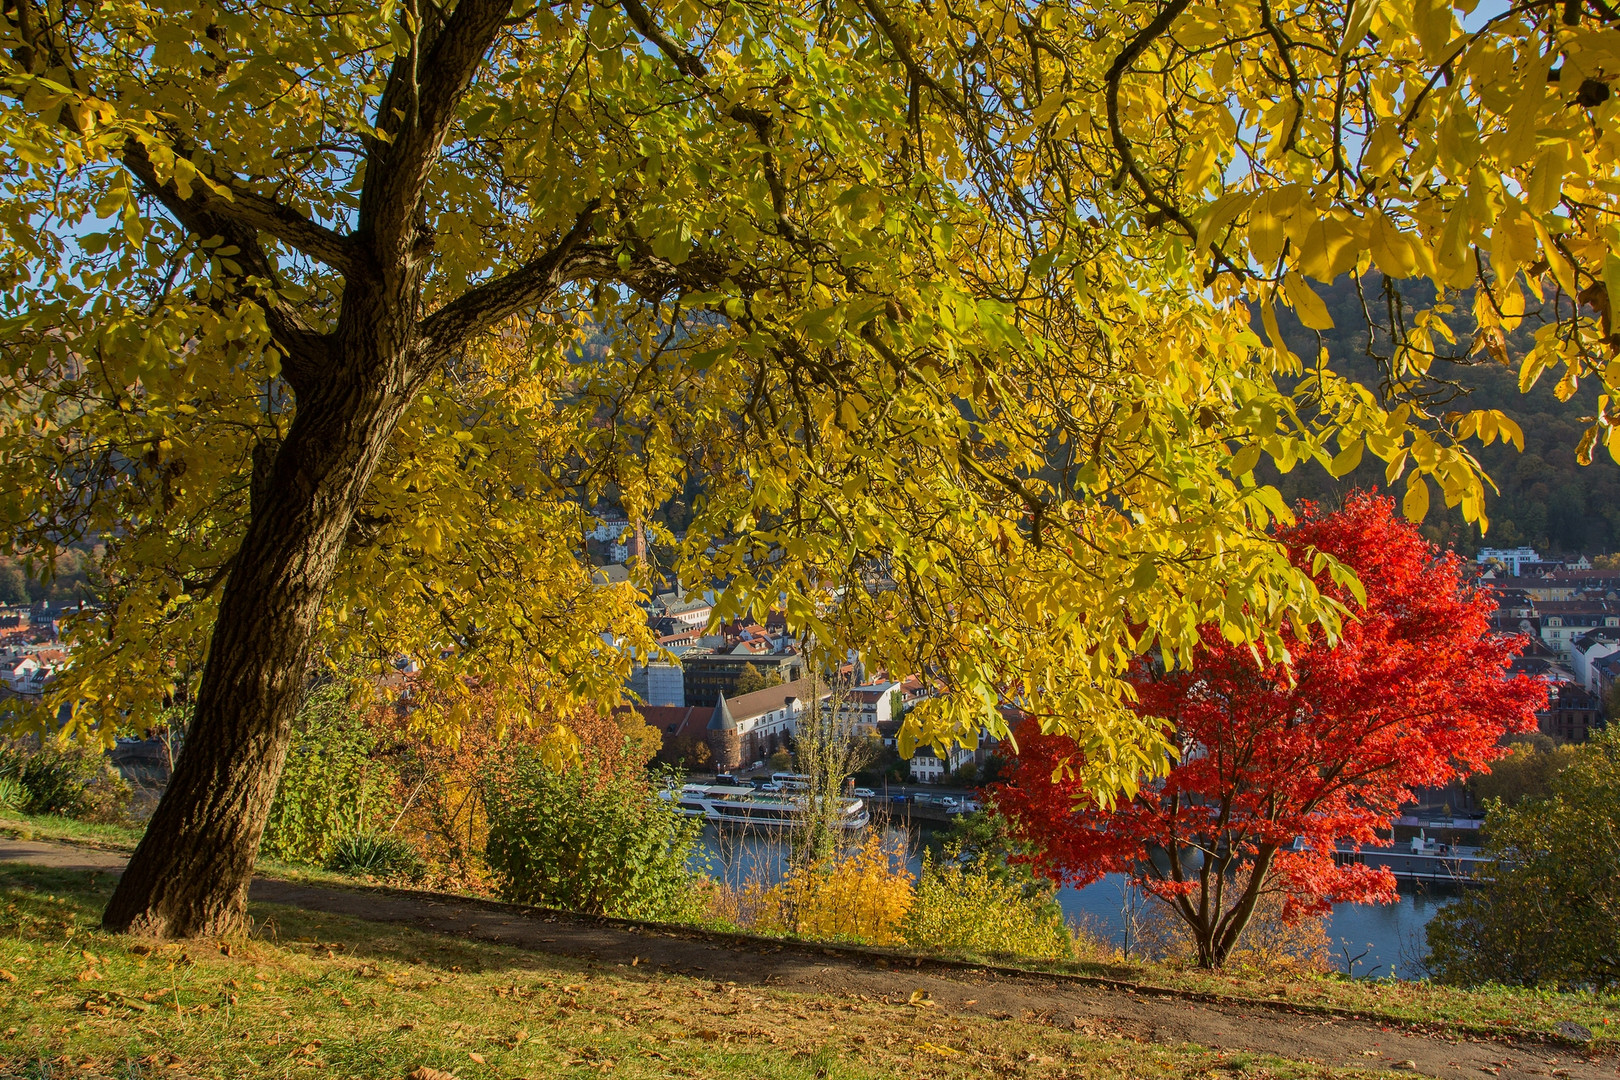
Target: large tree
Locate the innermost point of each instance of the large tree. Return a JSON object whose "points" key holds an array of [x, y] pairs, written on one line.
{"points": [[1278, 764], [334, 319]]}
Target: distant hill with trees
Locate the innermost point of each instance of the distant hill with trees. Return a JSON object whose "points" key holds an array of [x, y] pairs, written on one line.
{"points": [[1546, 499]]}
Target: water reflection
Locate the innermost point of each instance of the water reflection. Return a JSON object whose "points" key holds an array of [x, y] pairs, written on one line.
{"points": [[1371, 939]]}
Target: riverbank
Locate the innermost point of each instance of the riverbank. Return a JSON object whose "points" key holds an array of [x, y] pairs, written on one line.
{"points": [[1527, 1018]]}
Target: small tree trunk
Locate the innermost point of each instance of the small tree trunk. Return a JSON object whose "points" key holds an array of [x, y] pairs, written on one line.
{"points": [[190, 874], [1231, 927]]}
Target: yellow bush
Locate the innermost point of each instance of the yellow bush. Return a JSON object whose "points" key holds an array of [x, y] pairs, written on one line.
{"points": [[859, 896], [964, 908]]}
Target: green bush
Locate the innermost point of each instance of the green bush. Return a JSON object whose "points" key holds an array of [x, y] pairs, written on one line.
{"points": [[377, 854], [72, 780], [332, 784], [13, 796], [585, 840], [1550, 914], [969, 907]]}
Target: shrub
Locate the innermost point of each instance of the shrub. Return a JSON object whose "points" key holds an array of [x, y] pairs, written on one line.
{"points": [[377, 854], [590, 840], [72, 780], [861, 895], [12, 794], [1549, 913], [332, 782], [967, 907]]}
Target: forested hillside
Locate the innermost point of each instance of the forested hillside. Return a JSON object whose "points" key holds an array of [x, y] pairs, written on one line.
{"points": [[1546, 499]]}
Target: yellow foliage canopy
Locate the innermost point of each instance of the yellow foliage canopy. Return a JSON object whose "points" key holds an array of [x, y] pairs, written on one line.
{"points": [[964, 317]]}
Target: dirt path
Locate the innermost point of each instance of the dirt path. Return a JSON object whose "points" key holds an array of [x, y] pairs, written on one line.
{"points": [[1160, 1017]]}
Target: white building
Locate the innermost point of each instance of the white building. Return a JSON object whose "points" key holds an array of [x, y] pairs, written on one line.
{"points": [[863, 708], [684, 607], [1586, 650], [766, 719], [927, 767], [1512, 558]]}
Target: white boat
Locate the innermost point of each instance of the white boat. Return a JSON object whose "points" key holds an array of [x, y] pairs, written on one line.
{"points": [[741, 805]]}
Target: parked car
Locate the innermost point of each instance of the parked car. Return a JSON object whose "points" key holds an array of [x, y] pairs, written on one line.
{"points": [[770, 785], [865, 793]]}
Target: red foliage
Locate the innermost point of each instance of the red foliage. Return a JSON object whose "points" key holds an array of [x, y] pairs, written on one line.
{"points": [[1414, 694]]}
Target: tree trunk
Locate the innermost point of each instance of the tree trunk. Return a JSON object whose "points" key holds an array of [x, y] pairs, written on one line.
{"points": [[1215, 947], [189, 876]]}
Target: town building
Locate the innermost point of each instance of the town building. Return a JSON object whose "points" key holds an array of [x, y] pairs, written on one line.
{"points": [[1571, 584], [741, 731], [864, 709], [1512, 558], [725, 740], [709, 675], [1606, 673], [691, 609], [1572, 714], [659, 683], [1563, 621], [1592, 646]]}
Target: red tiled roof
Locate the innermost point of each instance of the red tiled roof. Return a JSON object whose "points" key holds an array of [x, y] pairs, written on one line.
{"points": [[673, 721]]}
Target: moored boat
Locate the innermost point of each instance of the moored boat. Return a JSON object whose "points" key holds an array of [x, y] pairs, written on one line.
{"points": [[728, 804]]}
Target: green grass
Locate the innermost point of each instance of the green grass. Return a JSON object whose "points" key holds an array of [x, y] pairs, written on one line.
{"points": [[1483, 1010], [49, 827], [1476, 1010], [322, 996], [54, 828]]}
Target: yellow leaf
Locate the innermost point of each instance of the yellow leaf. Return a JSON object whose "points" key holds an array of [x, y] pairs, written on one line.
{"points": [[1327, 249], [1416, 504], [1391, 248], [1583, 452], [1346, 460], [1511, 432], [1384, 147], [1244, 461], [1310, 309]]}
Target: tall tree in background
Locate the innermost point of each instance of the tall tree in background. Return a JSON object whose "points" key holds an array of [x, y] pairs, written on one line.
{"points": [[1548, 913], [1279, 764], [948, 310]]}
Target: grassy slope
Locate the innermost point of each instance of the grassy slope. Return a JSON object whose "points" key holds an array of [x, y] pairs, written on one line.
{"points": [[312, 995], [1480, 1010]]}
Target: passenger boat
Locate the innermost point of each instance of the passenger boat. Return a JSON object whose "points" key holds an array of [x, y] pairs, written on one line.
{"points": [[740, 805]]}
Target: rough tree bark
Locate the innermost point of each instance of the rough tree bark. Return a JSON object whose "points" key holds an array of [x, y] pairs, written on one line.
{"points": [[351, 373], [189, 876]]}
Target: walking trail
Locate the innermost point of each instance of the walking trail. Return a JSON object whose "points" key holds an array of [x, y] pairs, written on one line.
{"points": [[1142, 1013]]}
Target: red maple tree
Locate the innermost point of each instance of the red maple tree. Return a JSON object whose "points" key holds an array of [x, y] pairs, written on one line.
{"points": [[1277, 768]]}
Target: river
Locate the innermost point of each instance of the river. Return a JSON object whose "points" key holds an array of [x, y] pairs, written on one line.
{"points": [[1373, 939]]}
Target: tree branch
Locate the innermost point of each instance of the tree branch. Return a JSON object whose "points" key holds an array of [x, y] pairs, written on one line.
{"points": [[1122, 144], [485, 305], [414, 116], [305, 351], [762, 123]]}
